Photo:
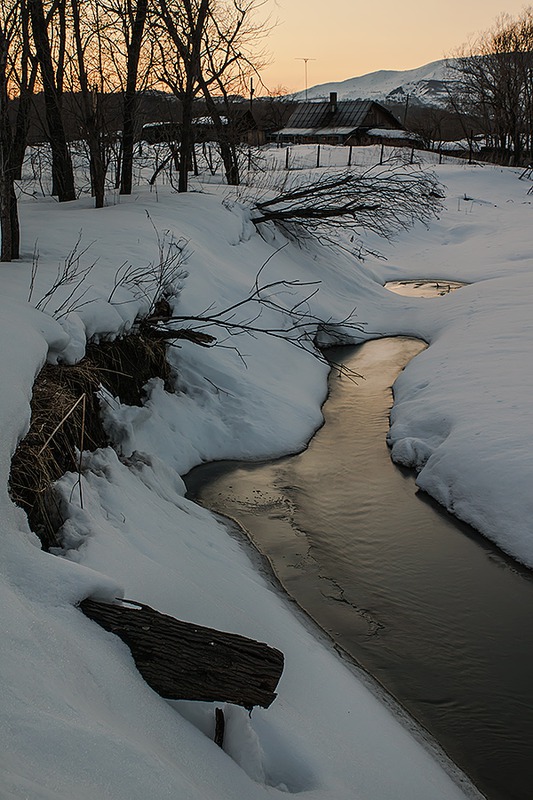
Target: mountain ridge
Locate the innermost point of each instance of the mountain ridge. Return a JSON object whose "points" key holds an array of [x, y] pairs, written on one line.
{"points": [[425, 85]]}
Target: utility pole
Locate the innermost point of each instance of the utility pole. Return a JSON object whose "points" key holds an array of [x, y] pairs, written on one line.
{"points": [[305, 60]]}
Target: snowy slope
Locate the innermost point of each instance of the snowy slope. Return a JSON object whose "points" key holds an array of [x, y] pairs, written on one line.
{"points": [[426, 85]]}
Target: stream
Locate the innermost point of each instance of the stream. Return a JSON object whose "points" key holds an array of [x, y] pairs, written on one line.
{"points": [[437, 615]]}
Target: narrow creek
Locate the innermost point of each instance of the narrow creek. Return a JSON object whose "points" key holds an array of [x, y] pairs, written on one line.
{"points": [[428, 607]]}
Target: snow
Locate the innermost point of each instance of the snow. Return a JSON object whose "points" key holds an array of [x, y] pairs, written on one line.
{"points": [[389, 133], [78, 721]]}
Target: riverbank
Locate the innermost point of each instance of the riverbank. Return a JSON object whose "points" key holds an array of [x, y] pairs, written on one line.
{"points": [[76, 700]]}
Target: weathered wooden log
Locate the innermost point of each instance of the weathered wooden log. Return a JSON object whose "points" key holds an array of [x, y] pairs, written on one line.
{"points": [[183, 661]]}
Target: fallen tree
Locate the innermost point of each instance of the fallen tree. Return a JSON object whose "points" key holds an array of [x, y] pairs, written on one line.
{"points": [[184, 661], [383, 200]]}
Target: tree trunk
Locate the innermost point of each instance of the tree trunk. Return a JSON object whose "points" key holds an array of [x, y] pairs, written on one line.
{"points": [[91, 116], [63, 172], [130, 97], [28, 75], [21, 132], [186, 141], [9, 223]]}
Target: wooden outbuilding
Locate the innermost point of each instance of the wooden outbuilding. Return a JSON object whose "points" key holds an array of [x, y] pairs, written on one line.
{"points": [[239, 124], [348, 122]]}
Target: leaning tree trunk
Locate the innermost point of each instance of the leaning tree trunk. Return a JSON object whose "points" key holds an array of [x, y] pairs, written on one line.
{"points": [[63, 172]]}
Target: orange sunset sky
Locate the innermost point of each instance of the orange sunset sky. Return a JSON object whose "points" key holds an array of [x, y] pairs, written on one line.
{"points": [[347, 38]]}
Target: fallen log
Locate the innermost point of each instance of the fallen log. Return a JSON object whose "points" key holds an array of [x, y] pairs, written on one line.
{"points": [[183, 661]]}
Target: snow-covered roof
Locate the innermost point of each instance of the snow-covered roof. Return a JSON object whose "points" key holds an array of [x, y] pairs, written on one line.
{"points": [[460, 144], [209, 120], [158, 124], [391, 133], [334, 131], [347, 114]]}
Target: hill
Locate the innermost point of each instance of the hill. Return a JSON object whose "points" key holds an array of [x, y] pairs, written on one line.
{"points": [[426, 85]]}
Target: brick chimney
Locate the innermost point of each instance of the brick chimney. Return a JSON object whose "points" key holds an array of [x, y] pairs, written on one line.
{"points": [[333, 102]]}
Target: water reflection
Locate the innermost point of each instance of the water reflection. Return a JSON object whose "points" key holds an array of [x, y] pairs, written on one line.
{"points": [[423, 288], [426, 605]]}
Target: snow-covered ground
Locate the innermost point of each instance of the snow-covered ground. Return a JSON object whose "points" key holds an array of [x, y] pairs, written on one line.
{"points": [[77, 719]]}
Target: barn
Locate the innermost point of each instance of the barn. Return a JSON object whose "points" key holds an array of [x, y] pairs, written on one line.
{"points": [[341, 122]]}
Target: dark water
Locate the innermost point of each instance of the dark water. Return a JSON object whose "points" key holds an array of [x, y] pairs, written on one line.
{"points": [[437, 615]]}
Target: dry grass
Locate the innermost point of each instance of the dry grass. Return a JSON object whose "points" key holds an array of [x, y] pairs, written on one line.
{"points": [[126, 364], [61, 425]]}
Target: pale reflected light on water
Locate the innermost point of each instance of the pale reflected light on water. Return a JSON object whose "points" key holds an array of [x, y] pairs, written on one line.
{"points": [[427, 606]]}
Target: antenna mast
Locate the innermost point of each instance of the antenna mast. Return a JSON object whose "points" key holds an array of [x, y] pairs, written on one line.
{"points": [[305, 60]]}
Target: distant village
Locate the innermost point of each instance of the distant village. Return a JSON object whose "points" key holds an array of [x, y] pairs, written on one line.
{"points": [[285, 121], [279, 120]]}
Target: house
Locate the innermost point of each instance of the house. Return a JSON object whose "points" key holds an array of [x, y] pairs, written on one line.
{"points": [[239, 126], [342, 122]]}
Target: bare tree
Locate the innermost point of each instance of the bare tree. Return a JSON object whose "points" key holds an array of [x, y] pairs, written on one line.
{"points": [[127, 37], [22, 79], [208, 50], [133, 44], [184, 24], [90, 93], [232, 55], [494, 85], [63, 172]]}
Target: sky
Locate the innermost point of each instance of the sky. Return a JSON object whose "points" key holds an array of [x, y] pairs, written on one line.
{"points": [[347, 39]]}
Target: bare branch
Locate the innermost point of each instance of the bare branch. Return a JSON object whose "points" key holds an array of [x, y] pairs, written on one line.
{"points": [[383, 200]]}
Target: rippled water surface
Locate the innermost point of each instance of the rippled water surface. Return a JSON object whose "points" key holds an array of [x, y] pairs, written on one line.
{"points": [[437, 615]]}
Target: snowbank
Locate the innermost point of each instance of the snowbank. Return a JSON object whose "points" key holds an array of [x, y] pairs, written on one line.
{"points": [[77, 719]]}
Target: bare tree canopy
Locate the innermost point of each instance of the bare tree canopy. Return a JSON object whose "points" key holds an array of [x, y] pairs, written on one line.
{"points": [[494, 88], [208, 48]]}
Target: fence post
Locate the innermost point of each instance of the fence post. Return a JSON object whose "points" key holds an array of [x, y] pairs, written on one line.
{"points": [[381, 154], [350, 156], [318, 156], [287, 152]]}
